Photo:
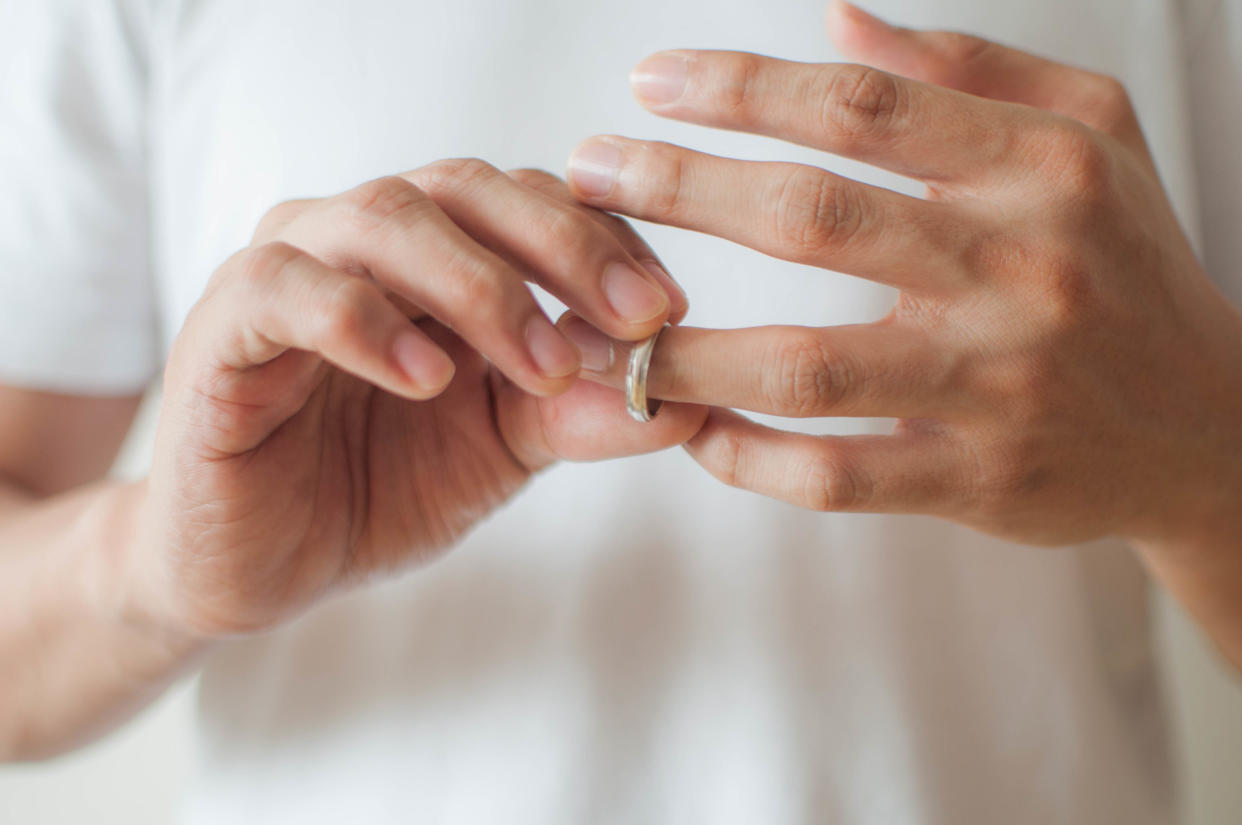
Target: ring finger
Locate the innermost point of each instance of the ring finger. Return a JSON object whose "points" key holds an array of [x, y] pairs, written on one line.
{"points": [[874, 370]]}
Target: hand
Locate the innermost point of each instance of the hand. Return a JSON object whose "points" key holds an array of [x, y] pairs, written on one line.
{"points": [[329, 411], [1061, 365]]}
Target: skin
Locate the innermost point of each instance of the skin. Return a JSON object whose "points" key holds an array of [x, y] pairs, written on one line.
{"points": [[1061, 366], [320, 426]]}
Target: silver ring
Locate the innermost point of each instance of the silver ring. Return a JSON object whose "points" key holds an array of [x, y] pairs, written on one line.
{"points": [[636, 403]]}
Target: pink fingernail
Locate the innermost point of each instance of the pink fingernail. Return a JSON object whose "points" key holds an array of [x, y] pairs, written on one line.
{"points": [[427, 366], [596, 348], [554, 355], [593, 167], [632, 295], [661, 78]]}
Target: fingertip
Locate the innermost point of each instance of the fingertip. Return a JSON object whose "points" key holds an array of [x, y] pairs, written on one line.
{"points": [[427, 368], [551, 387], [637, 298], [835, 13], [554, 354], [846, 13], [853, 30], [660, 79], [679, 302], [592, 168], [598, 352]]}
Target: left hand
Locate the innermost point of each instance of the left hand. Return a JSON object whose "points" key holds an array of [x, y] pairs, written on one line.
{"points": [[1062, 366]]}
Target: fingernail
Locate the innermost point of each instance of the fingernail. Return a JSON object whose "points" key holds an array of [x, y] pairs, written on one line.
{"points": [[554, 355], [593, 167], [427, 366], [660, 78], [595, 346], [632, 296], [677, 296]]}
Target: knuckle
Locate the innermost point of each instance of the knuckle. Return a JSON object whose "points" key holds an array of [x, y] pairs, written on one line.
{"points": [[809, 380], [278, 217], [727, 460], [815, 212], [478, 288], [536, 178], [454, 174], [262, 265], [859, 102], [1077, 161], [666, 169], [960, 51], [572, 234], [831, 484], [1109, 99], [1110, 90], [736, 96], [1068, 294], [379, 201], [954, 59], [345, 315]]}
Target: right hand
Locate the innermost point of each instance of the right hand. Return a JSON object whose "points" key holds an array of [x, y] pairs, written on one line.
{"points": [[329, 408]]}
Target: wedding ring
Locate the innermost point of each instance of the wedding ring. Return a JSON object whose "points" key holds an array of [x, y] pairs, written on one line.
{"points": [[636, 403]]}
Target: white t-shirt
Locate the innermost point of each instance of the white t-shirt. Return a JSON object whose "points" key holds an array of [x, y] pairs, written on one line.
{"points": [[628, 641]]}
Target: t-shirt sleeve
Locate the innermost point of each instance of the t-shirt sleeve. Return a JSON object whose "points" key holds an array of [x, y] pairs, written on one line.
{"points": [[76, 298], [1213, 54]]}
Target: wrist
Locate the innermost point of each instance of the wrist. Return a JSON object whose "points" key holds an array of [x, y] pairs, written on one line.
{"points": [[1201, 567], [1204, 536], [126, 584]]}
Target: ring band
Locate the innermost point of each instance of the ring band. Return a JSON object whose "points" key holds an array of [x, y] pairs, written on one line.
{"points": [[636, 403]]}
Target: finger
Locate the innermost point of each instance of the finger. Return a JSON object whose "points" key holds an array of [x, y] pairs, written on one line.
{"points": [[278, 217], [567, 253], [587, 423], [554, 187], [274, 298], [908, 473], [859, 370], [388, 228], [792, 211], [912, 128], [982, 67]]}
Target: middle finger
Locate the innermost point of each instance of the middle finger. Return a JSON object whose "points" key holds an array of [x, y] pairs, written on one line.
{"points": [[792, 211], [572, 256]]}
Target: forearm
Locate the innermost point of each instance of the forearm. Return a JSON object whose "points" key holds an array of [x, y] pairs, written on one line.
{"points": [[77, 652]]}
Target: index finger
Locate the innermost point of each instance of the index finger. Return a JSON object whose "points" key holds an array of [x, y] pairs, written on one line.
{"points": [[630, 240], [909, 127]]}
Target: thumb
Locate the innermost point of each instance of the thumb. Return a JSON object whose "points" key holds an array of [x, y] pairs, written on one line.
{"points": [[587, 423]]}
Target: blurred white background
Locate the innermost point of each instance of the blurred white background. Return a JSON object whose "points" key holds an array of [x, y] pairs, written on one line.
{"points": [[137, 775]]}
